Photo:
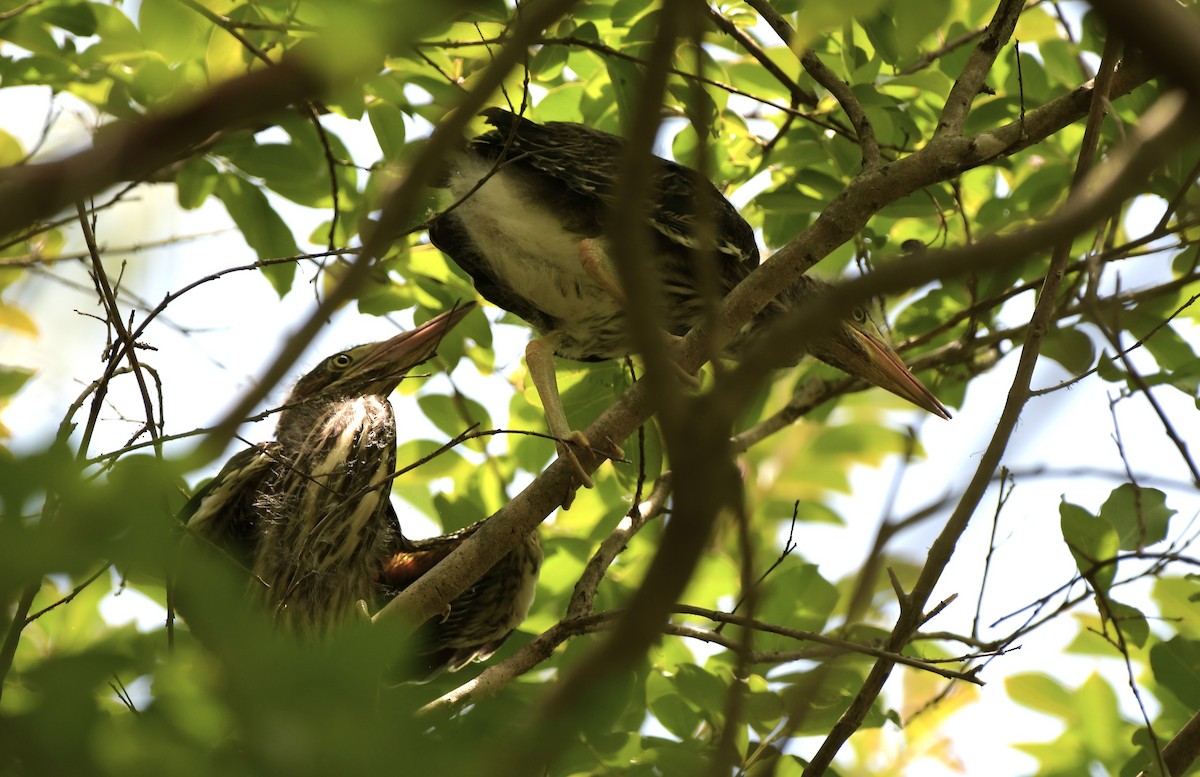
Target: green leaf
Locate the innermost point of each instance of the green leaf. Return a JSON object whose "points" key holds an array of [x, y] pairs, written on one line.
{"points": [[272, 161], [173, 30], [1176, 666], [453, 415], [914, 28], [1176, 598], [1131, 621], [625, 78], [675, 714], [116, 30], [455, 513], [14, 319], [1091, 540], [1099, 719], [1071, 348], [195, 181], [1140, 515], [1036, 26], [1043, 693], [12, 379], [75, 18], [30, 35], [798, 597], [387, 121], [261, 226], [10, 150], [588, 390], [703, 689], [445, 463], [378, 299]]}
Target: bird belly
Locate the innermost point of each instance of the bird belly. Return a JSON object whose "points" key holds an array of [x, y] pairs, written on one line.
{"points": [[530, 250]]}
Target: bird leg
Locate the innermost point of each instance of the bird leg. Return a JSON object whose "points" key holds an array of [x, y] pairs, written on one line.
{"points": [[541, 369], [597, 265]]}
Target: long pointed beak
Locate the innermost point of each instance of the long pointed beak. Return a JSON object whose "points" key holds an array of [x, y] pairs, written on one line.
{"points": [[883, 368], [390, 359]]}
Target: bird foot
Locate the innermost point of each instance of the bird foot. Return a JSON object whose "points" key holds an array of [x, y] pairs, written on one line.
{"points": [[576, 439], [362, 610], [565, 451]]}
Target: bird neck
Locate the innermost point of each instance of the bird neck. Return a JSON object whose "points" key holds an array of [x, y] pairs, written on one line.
{"points": [[301, 415]]}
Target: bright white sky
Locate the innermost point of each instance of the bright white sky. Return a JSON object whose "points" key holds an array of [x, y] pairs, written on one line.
{"points": [[220, 336]]}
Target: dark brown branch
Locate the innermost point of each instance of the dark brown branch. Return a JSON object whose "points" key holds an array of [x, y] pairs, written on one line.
{"points": [[850, 105], [131, 151], [1181, 752], [828, 79], [821, 639], [584, 596], [12, 637], [1165, 33], [127, 346], [971, 80], [799, 93]]}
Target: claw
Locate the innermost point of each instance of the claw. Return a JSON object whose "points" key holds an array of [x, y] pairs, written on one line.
{"points": [[575, 437]]}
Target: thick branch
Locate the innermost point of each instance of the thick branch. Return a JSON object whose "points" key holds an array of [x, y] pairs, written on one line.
{"points": [[131, 151]]}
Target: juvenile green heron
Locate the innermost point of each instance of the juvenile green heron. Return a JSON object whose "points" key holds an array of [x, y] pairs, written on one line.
{"points": [[481, 618], [531, 228], [309, 513]]}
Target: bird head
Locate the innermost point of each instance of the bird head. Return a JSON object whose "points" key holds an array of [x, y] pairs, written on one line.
{"points": [[373, 368], [858, 346]]}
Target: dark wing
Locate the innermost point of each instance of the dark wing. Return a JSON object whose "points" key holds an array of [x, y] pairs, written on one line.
{"points": [[580, 166], [402, 569], [579, 163], [479, 620], [224, 510], [406, 566], [680, 193]]}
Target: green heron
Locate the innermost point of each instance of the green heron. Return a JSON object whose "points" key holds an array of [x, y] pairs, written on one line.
{"points": [[309, 514], [530, 227], [477, 622]]}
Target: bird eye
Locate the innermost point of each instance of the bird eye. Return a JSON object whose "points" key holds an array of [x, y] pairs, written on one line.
{"points": [[859, 314], [341, 361]]}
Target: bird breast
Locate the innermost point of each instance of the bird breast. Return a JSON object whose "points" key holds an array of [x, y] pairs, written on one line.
{"points": [[527, 243], [324, 514]]}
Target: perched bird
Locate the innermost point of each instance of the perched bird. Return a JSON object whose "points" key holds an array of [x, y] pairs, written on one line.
{"points": [[309, 513], [530, 225], [481, 618]]}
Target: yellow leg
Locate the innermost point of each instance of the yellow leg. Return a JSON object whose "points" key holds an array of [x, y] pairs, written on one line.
{"points": [[540, 361], [596, 264]]}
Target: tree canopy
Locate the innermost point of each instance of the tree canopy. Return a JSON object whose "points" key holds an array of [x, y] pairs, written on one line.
{"points": [[787, 574]]}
